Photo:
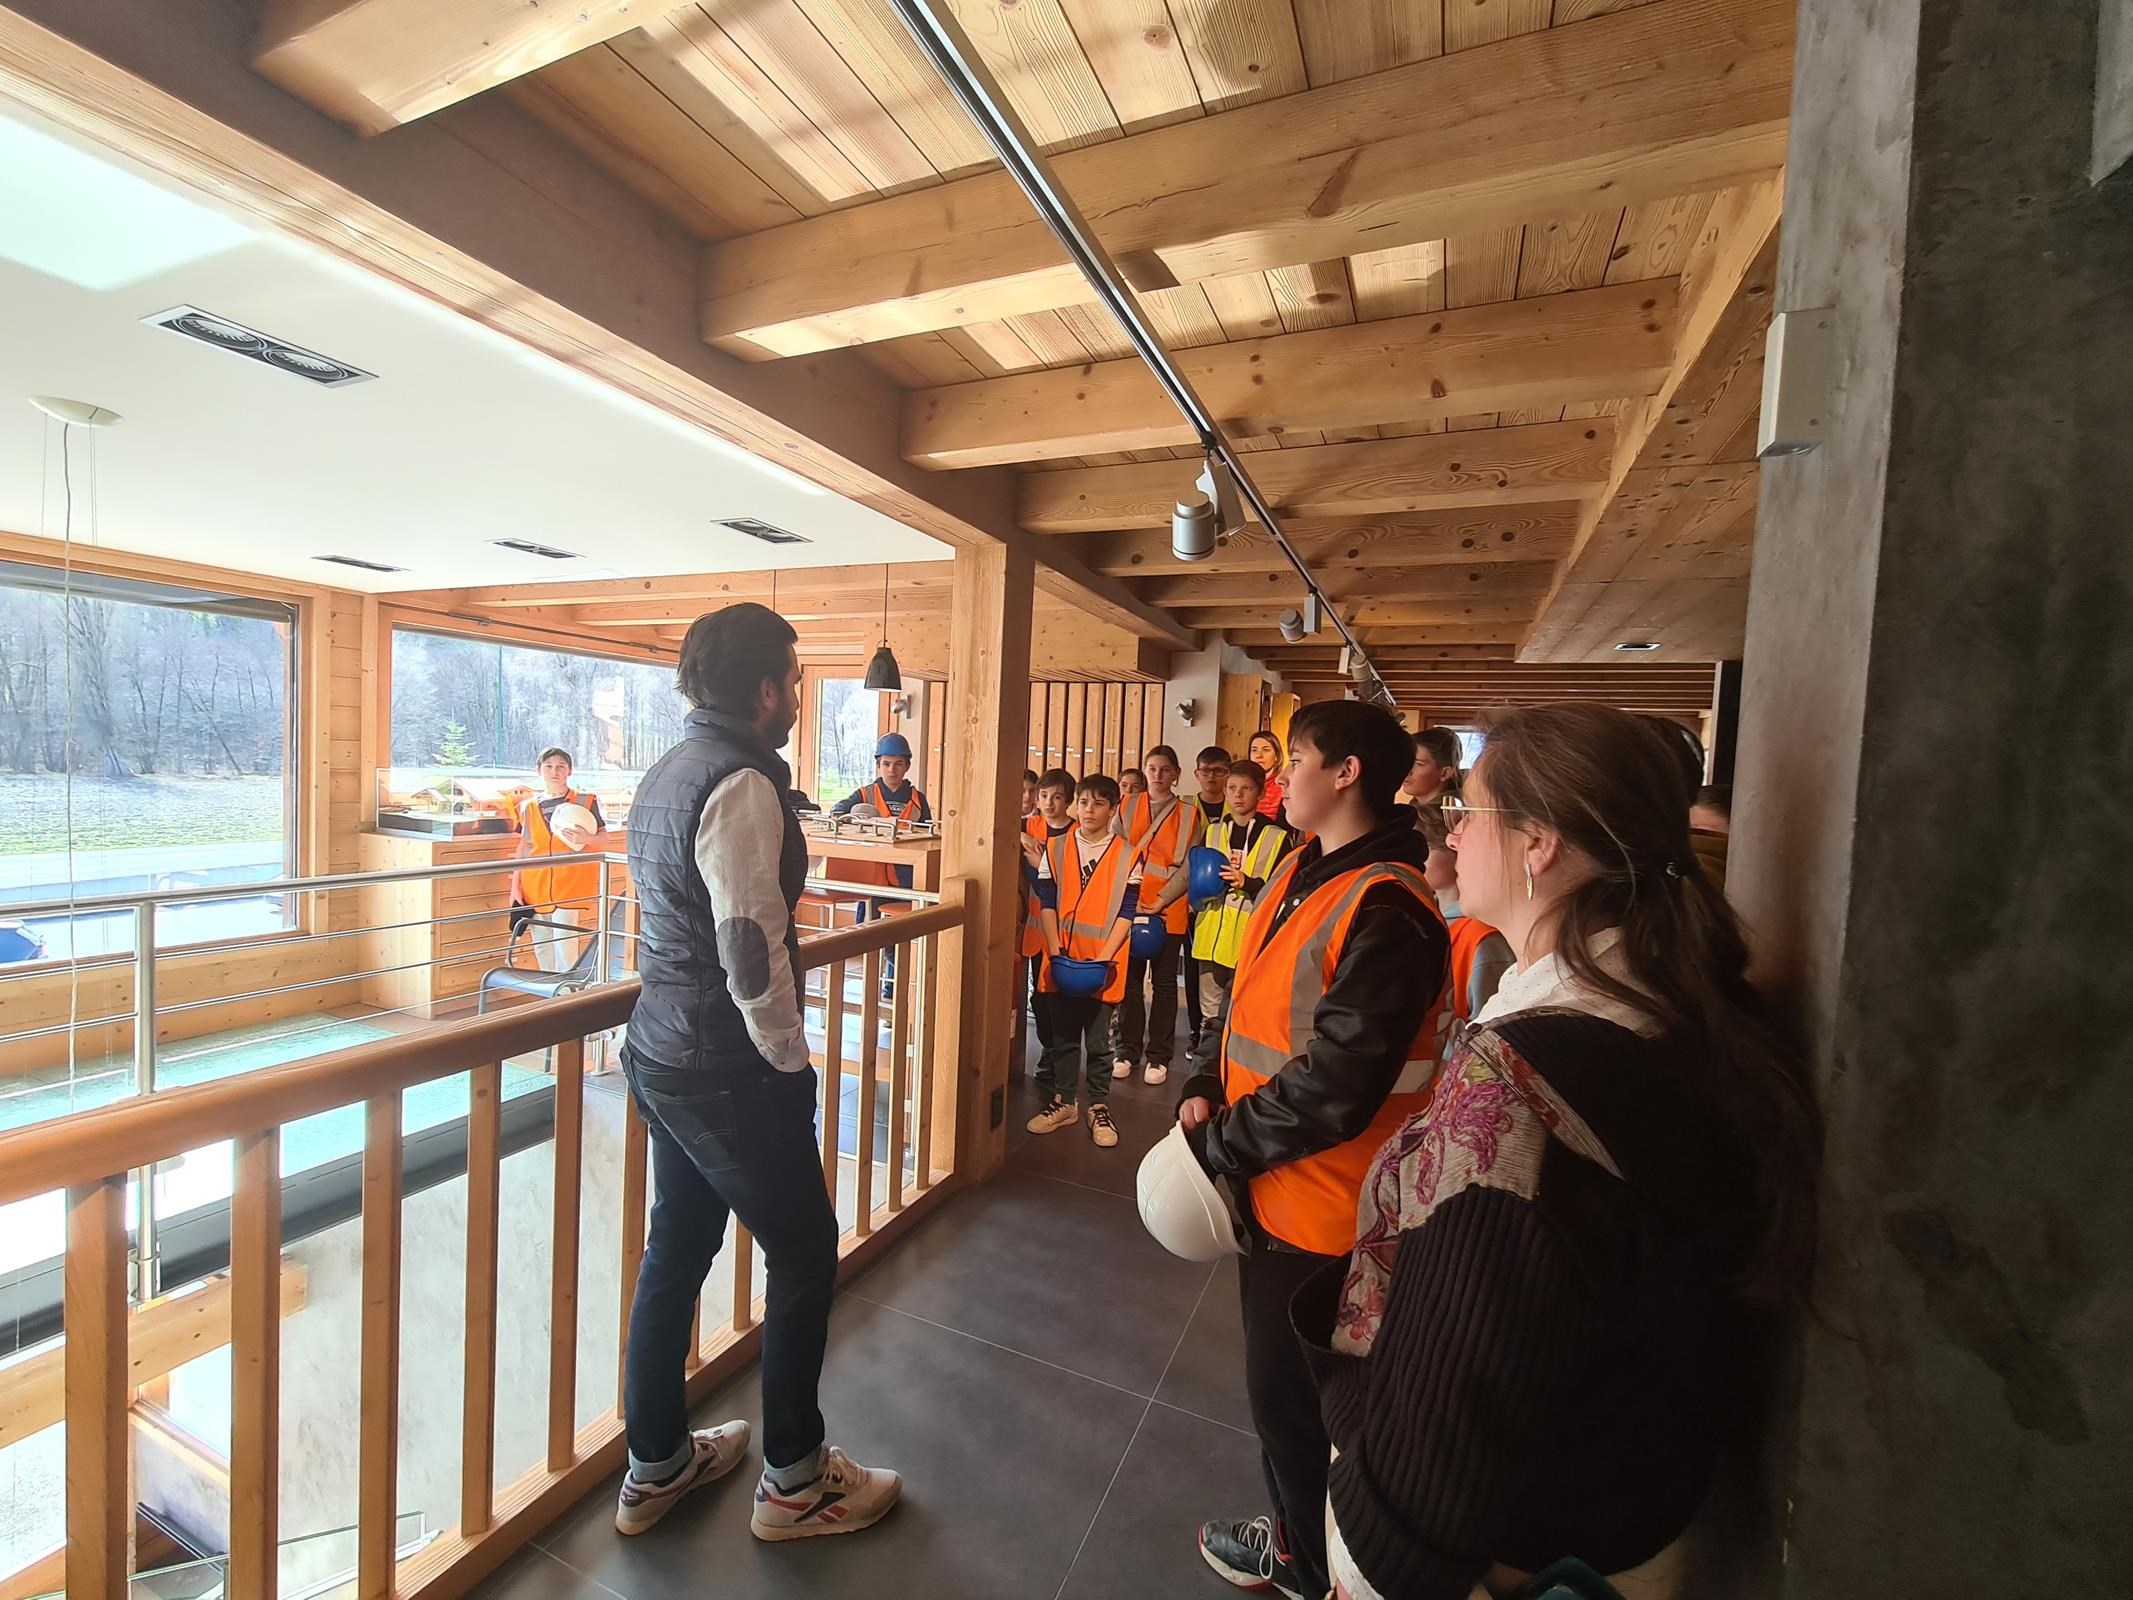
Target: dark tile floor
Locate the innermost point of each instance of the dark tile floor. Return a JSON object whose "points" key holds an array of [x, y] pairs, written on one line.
{"points": [[1064, 1400]]}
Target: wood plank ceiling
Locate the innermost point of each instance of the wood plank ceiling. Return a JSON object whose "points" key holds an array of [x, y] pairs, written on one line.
{"points": [[1455, 269]]}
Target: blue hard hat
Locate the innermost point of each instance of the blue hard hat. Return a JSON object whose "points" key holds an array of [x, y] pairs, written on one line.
{"points": [[1203, 875], [1149, 932], [892, 744], [1080, 978]]}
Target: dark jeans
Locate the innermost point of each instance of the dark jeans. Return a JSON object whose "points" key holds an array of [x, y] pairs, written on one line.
{"points": [[739, 1143], [1081, 1031], [1147, 1034], [1294, 1451], [1194, 1020]]}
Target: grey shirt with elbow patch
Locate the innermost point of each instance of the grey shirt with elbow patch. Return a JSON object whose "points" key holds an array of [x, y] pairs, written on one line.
{"points": [[737, 854]]}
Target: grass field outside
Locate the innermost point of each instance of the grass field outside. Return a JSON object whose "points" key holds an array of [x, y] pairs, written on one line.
{"points": [[139, 813]]}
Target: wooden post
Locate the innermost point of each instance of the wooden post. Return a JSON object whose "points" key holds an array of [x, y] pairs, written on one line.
{"points": [[832, 1070], [477, 1443], [378, 1390], [910, 971], [563, 1285], [869, 1097], [98, 1514], [635, 1150], [988, 675], [743, 1317], [255, 1368]]}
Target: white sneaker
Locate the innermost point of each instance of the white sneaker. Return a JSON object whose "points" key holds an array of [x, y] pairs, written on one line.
{"points": [[1059, 1113], [1121, 1071], [1156, 1073], [716, 1452], [844, 1499]]}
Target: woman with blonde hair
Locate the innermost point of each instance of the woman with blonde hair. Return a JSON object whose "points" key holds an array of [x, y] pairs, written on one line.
{"points": [[1533, 1353]]}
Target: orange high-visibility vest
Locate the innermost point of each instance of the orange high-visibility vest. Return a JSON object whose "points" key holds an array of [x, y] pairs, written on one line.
{"points": [[1468, 936], [1163, 842], [572, 882], [1273, 1010], [1089, 911], [1035, 827], [881, 873]]}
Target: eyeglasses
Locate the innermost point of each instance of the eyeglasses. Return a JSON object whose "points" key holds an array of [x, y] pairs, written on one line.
{"points": [[1457, 811]]}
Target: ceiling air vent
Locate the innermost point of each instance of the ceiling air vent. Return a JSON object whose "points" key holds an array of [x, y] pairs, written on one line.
{"points": [[762, 530], [234, 337], [358, 561], [526, 547]]}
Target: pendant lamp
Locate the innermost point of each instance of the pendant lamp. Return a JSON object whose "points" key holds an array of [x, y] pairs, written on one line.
{"points": [[882, 672]]}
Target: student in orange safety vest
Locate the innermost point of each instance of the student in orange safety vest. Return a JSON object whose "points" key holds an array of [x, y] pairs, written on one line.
{"points": [[1480, 955], [1163, 825], [557, 888], [1330, 1043], [1052, 819], [891, 794]]}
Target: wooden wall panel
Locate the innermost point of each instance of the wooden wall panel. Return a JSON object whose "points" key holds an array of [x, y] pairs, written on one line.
{"points": [[1093, 727]]}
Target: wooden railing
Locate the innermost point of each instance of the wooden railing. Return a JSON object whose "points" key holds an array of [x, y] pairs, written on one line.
{"points": [[90, 1155]]}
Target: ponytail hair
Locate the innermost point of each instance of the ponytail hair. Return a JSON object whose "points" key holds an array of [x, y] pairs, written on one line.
{"points": [[1608, 783]]}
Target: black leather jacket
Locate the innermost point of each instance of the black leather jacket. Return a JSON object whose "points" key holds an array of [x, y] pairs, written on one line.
{"points": [[1391, 968]]}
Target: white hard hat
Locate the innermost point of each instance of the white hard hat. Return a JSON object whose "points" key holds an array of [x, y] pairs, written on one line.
{"points": [[1180, 1204], [865, 808], [573, 816]]}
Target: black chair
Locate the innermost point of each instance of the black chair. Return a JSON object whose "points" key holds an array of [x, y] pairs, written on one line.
{"points": [[578, 975]]}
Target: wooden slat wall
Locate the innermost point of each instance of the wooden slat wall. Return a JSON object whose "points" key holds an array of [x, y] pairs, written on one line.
{"points": [[1093, 727]]}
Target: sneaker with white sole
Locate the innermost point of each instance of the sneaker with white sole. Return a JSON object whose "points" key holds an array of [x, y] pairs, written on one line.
{"points": [[714, 1452], [1059, 1112], [844, 1498], [1156, 1072], [1121, 1070], [1249, 1555], [1102, 1130]]}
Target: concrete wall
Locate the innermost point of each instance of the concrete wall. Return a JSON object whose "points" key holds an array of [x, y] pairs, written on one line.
{"points": [[1932, 830]]}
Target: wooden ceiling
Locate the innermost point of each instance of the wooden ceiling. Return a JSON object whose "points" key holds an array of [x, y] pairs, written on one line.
{"points": [[1480, 283]]}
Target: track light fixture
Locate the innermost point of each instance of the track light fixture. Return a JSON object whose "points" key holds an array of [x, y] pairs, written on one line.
{"points": [[1213, 507], [1291, 624]]}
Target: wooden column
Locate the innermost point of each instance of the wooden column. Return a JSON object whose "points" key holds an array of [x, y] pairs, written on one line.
{"points": [[988, 683]]}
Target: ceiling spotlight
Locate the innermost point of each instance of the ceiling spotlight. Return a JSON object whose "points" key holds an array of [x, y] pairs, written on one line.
{"points": [[1291, 624], [1637, 647], [1219, 484], [1193, 528]]}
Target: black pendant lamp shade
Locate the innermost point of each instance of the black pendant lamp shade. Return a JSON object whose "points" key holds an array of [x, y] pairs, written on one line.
{"points": [[882, 672]]}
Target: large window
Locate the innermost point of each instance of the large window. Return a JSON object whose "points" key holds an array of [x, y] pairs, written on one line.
{"points": [[847, 722], [144, 745], [463, 704]]}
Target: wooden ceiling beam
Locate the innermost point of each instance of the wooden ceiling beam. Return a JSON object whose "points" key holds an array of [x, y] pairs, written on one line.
{"points": [[1669, 98], [376, 64], [1524, 582], [1676, 516], [1501, 640], [1417, 539], [1542, 462], [1586, 345]]}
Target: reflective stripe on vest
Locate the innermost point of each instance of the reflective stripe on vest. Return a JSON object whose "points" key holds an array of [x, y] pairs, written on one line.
{"points": [[1281, 977], [554, 883], [1218, 932], [1163, 842]]}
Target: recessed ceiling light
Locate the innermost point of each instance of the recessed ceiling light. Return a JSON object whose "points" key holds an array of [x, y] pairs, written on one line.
{"points": [[757, 529], [253, 345], [358, 561], [526, 547], [1637, 647]]}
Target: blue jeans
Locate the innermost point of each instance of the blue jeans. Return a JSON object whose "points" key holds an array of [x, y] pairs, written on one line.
{"points": [[730, 1143]]}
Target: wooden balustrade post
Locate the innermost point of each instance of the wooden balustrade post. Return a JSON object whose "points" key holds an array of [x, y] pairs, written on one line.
{"points": [[636, 1142], [832, 1073], [869, 1097], [743, 1279], [255, 1368], [477, 1447], [988, 672], [378, 1389], [909, 972], [98, 1513], [563, 1281]]}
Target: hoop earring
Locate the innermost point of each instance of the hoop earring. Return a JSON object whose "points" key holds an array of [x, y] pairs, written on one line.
{"points": [[1529, 883]]}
